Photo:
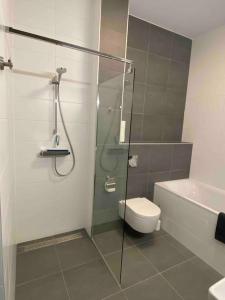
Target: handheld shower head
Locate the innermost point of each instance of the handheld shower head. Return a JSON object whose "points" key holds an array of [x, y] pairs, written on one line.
{"points": [[60, 71]]}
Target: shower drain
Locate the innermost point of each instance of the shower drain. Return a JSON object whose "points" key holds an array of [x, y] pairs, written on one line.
{"points": [[50, 241]]}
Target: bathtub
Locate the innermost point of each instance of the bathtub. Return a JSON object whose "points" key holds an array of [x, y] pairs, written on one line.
{"points": [[189, 213]]}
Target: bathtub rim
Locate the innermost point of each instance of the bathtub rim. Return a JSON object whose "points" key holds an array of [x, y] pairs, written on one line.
{"points": [[207, 186]]}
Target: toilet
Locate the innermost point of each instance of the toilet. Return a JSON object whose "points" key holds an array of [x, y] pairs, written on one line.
{"points": [[141, 214]]}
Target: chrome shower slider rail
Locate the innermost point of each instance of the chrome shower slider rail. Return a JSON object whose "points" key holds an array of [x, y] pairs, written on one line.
{"points": [[67, 45]]}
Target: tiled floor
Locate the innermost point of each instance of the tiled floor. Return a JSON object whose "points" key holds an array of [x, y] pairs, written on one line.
{"points": [[155, 267]]}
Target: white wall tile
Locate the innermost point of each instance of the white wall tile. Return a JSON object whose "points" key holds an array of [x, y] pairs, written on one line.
{"points": [[49, 204], [35, 15]]}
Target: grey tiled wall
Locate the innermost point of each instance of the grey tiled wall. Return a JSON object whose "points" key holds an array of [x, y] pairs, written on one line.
{"points": [[162, 64], [157, 162]]}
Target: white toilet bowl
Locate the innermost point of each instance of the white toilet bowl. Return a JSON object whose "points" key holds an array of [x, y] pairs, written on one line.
{"points": [[141, 214]]}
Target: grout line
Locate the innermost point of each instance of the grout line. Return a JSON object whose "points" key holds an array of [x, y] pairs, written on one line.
{"points": [[153, 266], [135, 244], [155, 275], [37, 278], [61, 271], [115, 294], [106, 263], [178, 264], [172, 287], [139, 282]]}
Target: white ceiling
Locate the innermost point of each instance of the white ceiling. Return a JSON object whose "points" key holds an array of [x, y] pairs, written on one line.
{"points": [[186, 17]]}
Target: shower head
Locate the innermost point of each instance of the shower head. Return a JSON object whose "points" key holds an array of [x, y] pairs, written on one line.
{"points": [[60, 71]]}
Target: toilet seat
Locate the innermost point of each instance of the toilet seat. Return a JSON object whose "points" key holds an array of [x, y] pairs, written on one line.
{"points": [[141, 214]]}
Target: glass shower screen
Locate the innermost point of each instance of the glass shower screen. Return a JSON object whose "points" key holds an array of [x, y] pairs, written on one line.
{"points": [[112, 152]]}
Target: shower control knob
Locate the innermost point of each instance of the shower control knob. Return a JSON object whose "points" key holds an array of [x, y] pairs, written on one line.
{"points": [[4, 64]]}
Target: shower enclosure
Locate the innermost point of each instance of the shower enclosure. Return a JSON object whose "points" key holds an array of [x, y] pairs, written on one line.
{"points": [[96, 103]]}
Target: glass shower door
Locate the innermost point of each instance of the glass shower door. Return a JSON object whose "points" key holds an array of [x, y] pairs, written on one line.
{"points": [[112, 152]]}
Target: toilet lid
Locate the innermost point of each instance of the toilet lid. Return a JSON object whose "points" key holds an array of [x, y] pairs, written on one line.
{"points": [[143, 207]]}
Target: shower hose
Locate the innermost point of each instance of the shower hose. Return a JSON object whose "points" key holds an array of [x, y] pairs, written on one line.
{"points": [[67, 136]]}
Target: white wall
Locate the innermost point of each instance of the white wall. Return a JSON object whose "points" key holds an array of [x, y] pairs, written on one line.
{"points": [[47, 205], [7, 247], [204, 121]]}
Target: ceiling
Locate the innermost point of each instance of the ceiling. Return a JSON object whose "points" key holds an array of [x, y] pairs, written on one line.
{"points": [[186, 17]]}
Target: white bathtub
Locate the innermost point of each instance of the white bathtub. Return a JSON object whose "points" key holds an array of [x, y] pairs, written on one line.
{"points": [[189, 213]]}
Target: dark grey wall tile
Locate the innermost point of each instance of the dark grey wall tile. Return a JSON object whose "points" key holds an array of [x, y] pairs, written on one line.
{"points": [[139, 98], [175, 101], [172, 128], [160, 158], [136, 127], [178, 75], [181, 49], [158, 68], [111, 161], [138, 33], [166, 67], [136, 185], [140, 59], [153, 178], [160, 41], [152, 128], [154, 100], [182, 157], [179, 174]]}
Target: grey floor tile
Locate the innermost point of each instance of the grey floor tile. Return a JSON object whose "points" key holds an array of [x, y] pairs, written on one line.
{"points": [[135, 266], [182, 249], [119, 296], [161, 253], [111, 241], [49, 288], [192, 279], [76, 252], [35, 264], [138, 238], [153, 289], [92, 281]]}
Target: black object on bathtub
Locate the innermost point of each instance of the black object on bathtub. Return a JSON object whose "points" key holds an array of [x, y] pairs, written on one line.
{"points": [[220, 228]]}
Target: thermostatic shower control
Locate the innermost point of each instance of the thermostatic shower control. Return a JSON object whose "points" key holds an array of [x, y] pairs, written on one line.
{"points": [[4, 64]]}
